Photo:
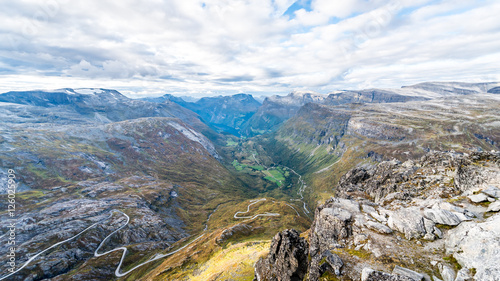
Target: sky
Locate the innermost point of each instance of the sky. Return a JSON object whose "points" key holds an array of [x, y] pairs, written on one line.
{"points": [[261, 47]]}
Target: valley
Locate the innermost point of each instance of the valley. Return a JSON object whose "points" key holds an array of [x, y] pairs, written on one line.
{"points": [[113, 188]]}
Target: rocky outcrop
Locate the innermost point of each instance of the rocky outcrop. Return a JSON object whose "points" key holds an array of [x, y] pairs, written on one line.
{"points": [[323, 263], [287, 259], [237, 230], [422, 201], [477, 245], [330, 227], [393, 180]]}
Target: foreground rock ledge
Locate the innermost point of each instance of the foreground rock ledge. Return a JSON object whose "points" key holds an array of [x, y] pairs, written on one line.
{"points": [[287, 259]]}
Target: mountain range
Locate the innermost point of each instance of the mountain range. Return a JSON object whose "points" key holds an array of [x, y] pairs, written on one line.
{"points": [[114, 188]]}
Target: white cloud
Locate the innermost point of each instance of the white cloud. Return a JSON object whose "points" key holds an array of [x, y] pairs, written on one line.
{"points": [[227, 46]]}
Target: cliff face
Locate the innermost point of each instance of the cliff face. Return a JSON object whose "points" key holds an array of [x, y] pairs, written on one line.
{"points": [[432, 218]]}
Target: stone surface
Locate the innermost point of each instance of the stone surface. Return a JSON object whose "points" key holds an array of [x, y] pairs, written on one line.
{"points": [[398, 270], [408, 221], [464, 275], [330, 226], [447, 273], [492, 191], [287, 259], [478, 198], [380, 228], [369, 274], [477, 245], [323, 263], [494, 207], [440, 216]]}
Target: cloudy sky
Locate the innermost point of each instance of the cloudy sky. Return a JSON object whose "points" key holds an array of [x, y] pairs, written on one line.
{"points": [[196, 47]]}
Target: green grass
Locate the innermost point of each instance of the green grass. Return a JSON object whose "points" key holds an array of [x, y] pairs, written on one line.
{"points": [[231, 142], [277, 174], [257, 167], [30, 194], [453, 261], [238, 166]]}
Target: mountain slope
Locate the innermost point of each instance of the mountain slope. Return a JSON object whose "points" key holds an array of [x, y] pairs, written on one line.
{"points": [[160, 172], [323, 142], [277, 109], [223, 113]]}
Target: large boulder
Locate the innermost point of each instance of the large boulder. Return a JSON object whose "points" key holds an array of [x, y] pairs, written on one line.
{"points": [[287, 259], [440, 216], [369, 274], [408, 221], [398, 270], [331, 226], [477, 245]]}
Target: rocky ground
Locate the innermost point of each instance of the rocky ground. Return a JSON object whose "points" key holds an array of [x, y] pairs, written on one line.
{"points": [[433, 219]]}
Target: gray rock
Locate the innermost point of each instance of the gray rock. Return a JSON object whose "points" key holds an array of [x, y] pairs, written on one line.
{"points": [[447, 273], [464, 275], [369, 274], [287, 258], [360, 239], [337, 213], [239, 229], [438, 232], [441, 216], [332, 263], [380, 228], [368, 209], [408, 221], [330, 227], [413, 275], [494, 207], [492, 191], [477, 245], [478, 198], [429, 229], [346, 204], [373, 212]]}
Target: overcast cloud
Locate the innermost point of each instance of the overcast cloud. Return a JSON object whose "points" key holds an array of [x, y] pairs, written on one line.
{"points": [[230, 46]]}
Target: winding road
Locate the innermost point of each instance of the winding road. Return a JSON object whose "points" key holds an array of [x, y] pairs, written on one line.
{"points": [[301, 190], [96, 252], [255, 201]]}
